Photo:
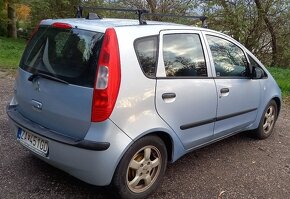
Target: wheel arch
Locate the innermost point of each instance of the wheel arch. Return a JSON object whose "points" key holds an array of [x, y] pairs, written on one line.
{"points": [[167, 139], [174, 146], [278, 102]]}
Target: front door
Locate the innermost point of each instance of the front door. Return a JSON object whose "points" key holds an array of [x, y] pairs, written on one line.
{"points": [[238, 94]]}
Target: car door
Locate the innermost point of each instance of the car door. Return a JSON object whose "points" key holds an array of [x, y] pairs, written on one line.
{"points": [[238, 94], [186, 95]]}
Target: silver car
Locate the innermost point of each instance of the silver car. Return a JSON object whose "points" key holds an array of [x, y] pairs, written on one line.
{"points": [[110, 101]]}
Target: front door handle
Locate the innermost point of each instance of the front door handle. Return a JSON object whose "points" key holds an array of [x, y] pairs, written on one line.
{"points": [[225, 90]]}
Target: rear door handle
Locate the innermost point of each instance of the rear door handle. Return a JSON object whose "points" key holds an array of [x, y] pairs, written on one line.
{"points": [[225, 90], [168, 95]]}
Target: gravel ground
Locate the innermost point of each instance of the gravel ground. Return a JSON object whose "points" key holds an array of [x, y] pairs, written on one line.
{"points": [[240, 166]]}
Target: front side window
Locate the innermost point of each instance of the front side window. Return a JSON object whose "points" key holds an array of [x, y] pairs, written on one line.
{"points": [[229, 59], [183, 56], [68, 54]]}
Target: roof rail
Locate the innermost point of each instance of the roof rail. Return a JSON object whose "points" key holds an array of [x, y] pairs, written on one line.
{"points": [[201, 18], [139, 12]]}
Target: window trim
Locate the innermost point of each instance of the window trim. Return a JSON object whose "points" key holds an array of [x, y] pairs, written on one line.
{"points": [[161, 73], [259, 66], [157, 54], [229, 39], [186, 77]]}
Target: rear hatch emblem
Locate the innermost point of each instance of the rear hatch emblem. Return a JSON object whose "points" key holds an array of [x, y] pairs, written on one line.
{"points": [[36, 105]]}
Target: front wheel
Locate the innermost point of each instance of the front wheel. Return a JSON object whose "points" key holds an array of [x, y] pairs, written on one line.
{"points": [[141, 168], [267, 122]]}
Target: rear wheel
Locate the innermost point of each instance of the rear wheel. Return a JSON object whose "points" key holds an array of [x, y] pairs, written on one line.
{"points": [[141, 168], [267, 122]]}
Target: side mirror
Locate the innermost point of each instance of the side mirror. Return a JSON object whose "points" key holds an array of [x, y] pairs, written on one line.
{"points": [[258, 73]]}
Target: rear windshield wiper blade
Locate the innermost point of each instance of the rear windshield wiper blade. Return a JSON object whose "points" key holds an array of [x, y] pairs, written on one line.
{"points": [[36, 75]]}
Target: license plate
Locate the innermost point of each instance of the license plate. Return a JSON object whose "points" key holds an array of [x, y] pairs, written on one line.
{"points": [[33, 142]]}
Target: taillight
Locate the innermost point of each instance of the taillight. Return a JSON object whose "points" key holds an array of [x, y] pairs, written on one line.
{"points": [[108, 77]]}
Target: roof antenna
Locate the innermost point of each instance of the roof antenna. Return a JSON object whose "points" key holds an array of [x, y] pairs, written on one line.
{"points": [[79, 13]]}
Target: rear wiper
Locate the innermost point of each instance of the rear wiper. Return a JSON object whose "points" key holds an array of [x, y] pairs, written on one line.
{"points": [[36, 75]]}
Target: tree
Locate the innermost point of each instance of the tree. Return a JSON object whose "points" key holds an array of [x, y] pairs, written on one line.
{"points": [[22, 12], [49, 9], [263, 15], [11, 27], [3, 18], [262, 26], [176, 7]]}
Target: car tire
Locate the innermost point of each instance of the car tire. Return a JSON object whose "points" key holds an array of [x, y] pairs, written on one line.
{"points": [[267, 121], [141, 168]]}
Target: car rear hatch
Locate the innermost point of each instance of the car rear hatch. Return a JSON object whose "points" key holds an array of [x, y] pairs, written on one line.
{"points": [[56, 78]]}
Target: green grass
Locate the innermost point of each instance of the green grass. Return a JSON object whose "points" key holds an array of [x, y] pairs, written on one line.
{"points": [[10, 52], [282, 76]]}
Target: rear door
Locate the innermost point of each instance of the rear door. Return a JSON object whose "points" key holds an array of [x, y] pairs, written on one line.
{"points": [[238, 94], [56, 78], [186, 95]]}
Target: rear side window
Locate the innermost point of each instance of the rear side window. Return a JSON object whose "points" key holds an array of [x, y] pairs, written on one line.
{"points": [[146, 50], [68, 54], [183, 55]]}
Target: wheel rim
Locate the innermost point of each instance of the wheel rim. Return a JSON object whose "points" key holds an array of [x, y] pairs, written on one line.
{"points": [[144, 169], [269, 119]]}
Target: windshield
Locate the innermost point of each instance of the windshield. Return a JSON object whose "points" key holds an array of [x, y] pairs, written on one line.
{"points": [[68, 54]]}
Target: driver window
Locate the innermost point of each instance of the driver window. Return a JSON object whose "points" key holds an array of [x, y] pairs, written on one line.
{"points": [[229, 59]]}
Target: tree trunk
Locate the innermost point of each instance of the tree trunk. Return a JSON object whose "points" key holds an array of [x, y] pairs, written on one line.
{"points": [[11, 28], [270, 27]]}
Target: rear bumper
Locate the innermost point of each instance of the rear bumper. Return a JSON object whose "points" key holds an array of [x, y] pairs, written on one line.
{"points": [[92, 160], [24, 123]]}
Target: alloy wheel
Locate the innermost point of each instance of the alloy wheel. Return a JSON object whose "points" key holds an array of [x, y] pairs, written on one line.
{"points": [[144, 169], [269, 119]]}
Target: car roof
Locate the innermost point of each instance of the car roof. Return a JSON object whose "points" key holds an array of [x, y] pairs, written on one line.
{"points": [[101, 25], [106, 22], [111, 22]]}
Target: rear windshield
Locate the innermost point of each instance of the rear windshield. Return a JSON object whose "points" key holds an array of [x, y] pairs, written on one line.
{"points": [[68, 54]]}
